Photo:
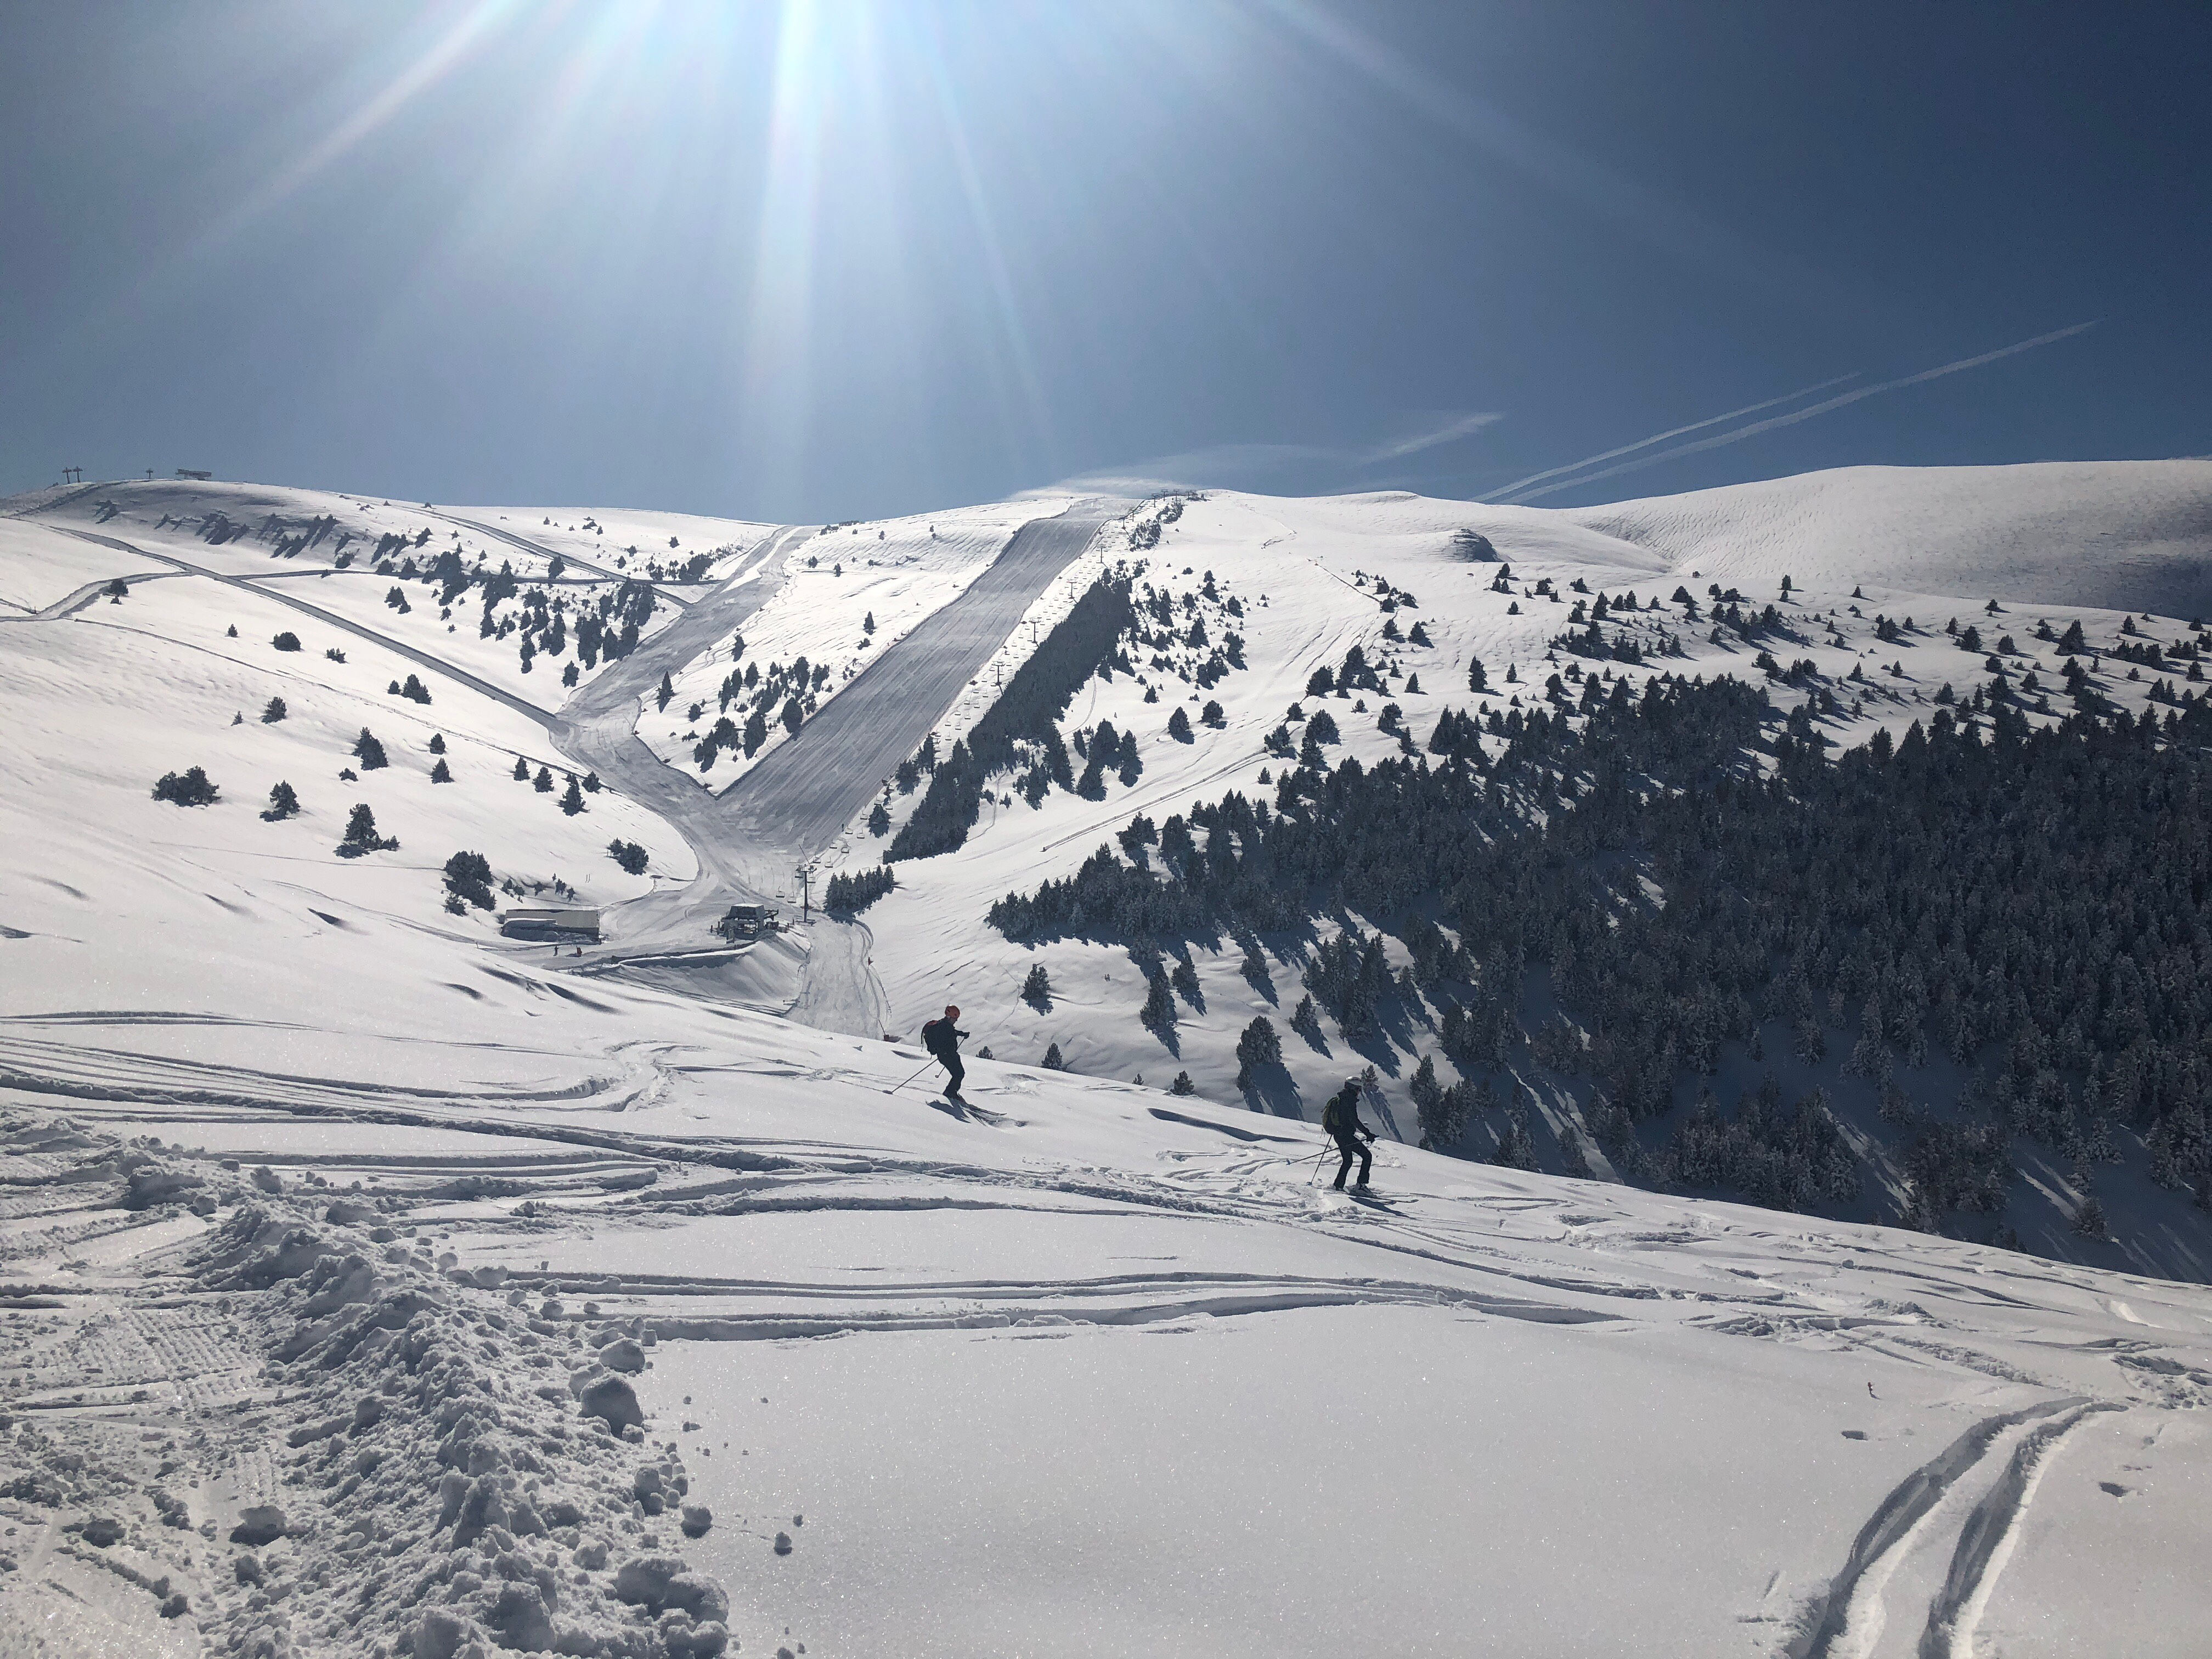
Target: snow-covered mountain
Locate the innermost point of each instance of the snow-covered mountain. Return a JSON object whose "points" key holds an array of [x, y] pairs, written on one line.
{"points": [[326, 1199], [2110, 535]]}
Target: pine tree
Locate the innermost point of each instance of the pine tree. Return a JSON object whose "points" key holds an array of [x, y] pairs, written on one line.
{"points": [[274, 712], [1423, 1086], [1444, 1122], [191, 789], [1258, 1046], [1179, 724], [441, 773], [368, 751], [1182, 1084], [1184, 978], [468, 877], [879, 819], [1574, 1158], [437, 743], [361, 836], [666, 694], [1516, 1148], [1091, 786], [1052, 1062], [1036, 987], [1159, 1004], [1304, 1021], [544, 781], [572, 802], [283, 803], [521, 769], [1477, 680]]}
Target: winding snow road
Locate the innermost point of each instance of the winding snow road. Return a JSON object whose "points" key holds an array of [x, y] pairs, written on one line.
{"points": [[749, 840]]}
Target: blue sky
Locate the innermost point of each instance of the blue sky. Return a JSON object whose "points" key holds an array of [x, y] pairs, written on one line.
{"points": [[813, 261]]}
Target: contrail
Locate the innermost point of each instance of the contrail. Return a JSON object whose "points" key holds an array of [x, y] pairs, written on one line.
{"points": [[1795, 415], [1503, 490], [1459, 426]]}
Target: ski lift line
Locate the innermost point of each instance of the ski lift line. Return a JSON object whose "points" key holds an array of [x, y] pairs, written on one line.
{"points": [[248, 584], [1332, 576], [1154, 800], [544, 552], [74, 496]]}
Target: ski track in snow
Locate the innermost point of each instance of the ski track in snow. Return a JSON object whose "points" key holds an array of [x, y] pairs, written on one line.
{"points": [[1566, 1258]]}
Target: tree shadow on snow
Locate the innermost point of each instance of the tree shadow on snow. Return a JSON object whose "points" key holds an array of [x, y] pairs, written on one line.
{"points": [[1263, 986], [1274, 1091]]}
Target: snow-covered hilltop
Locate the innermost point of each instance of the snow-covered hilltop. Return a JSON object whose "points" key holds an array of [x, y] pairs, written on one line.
{"points": [[378, 1283], [2112, 535]]}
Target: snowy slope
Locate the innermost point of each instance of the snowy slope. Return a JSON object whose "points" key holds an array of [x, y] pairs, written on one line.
{"points": [[1093, 1369], [2112, 535], [1307, 571], [857, 591], [1100, 1371], [103, 704], [339, 559]]}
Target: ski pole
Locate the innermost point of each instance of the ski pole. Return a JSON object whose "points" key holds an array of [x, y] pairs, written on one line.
{"points": [[896, 1087]]}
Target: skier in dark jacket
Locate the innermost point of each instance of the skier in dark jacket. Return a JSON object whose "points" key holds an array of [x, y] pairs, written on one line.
{"points": [[942, 1038], [1340, 1118]]}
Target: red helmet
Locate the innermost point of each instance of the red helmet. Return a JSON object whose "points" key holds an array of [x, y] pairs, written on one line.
{"points": [[951, 1012]]}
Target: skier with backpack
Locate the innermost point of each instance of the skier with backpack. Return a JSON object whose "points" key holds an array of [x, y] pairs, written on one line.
{"points": [[942, 1038], [1341, 1119]]}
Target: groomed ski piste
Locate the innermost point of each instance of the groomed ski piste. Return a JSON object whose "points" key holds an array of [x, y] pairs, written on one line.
{"points": [[374, 1285]]}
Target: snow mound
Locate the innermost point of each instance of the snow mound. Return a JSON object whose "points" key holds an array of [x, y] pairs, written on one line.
{"points": [[425, 1463]]}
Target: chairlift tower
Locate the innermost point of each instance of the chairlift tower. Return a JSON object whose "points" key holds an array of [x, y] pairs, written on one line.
{"points": [[806, 890]]}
